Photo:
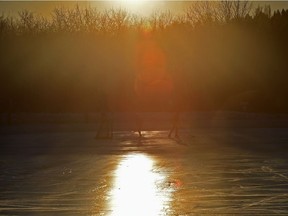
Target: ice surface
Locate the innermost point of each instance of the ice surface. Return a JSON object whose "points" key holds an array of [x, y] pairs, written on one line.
{"points": [[211, 171]]}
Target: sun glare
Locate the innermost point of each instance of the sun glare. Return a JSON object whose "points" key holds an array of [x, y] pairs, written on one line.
{"points": [[134, 6], [133, 1], [137, 188]]}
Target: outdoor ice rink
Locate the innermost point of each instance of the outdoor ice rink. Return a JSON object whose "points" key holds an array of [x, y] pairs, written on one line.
{"points": [[208, 171]]}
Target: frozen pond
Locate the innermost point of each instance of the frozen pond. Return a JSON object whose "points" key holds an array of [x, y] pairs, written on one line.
{"points": [[209, 171]]}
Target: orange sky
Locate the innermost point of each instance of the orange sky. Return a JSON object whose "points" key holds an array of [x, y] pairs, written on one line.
{"points": [[143, 7]]}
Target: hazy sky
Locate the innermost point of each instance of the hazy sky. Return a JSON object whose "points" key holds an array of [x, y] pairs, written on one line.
{"points": [[137, 6]]}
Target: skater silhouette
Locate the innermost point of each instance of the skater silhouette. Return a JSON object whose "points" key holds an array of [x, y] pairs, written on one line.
{"points": [[105, 128], [175, 125]]}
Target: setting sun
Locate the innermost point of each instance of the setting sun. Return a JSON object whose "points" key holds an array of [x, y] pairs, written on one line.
{"points": [[135, 6], [133, 1]]}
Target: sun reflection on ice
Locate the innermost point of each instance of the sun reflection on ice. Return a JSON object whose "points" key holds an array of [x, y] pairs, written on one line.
{"points": [[138, 189]]}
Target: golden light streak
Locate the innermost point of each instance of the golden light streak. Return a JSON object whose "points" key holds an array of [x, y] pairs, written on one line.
{"points": [[138, 189]]}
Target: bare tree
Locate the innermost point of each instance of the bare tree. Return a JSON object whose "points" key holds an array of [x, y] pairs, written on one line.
{"points": [[159, 21], [202, 12], [225, 9], [7, 24], [118, 20], [26, 21], [91, 19], [217, 11], [241, 8]]}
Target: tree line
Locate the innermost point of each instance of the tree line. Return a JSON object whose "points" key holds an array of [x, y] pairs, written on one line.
{"points": [[225, 55]]}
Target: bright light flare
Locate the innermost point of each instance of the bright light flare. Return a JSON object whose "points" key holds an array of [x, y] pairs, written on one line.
{"points": [[133, 1], [134, 6], [137, 188]]}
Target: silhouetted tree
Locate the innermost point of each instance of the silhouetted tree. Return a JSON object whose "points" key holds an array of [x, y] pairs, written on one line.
{"points": [[217, 53]]}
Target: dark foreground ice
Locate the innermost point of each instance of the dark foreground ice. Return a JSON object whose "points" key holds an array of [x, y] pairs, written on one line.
{"points": [[208, 171]]}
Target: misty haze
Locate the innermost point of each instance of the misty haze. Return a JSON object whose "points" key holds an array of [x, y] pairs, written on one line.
{"points": [[108, 110]]}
